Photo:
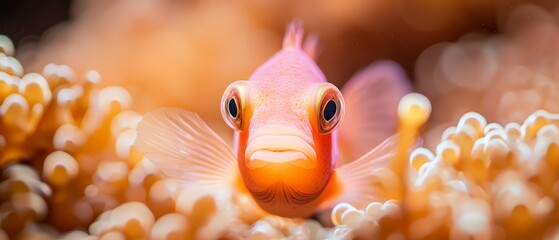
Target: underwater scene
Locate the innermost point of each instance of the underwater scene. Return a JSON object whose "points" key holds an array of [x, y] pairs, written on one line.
{"points": [[268, 119]]}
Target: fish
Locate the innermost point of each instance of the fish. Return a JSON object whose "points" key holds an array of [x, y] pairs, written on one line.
{"points": [[300, 144]]}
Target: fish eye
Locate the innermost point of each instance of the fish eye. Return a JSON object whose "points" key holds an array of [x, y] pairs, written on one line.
{"points": [[330, 108], [232, 105], [232, 108]]}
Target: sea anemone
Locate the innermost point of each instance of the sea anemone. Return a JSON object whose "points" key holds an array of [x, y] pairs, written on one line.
{"points": [[484, 181]]}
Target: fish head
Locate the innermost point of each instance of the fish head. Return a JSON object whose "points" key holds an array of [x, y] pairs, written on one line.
{"points": [[285, 118]]}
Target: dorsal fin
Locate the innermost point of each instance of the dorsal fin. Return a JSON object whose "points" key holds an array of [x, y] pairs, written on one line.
{"points": [[310, 46], [294, 39], [293, 34]]}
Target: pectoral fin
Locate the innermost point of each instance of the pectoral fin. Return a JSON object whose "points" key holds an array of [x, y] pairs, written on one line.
{"points": [[353, 183], [371, 101], [185, 148]]}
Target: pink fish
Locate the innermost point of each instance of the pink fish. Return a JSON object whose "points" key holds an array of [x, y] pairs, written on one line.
{"points": [[300, 144]]}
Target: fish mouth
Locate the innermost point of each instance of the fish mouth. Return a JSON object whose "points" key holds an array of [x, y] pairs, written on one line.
{"points": [[264, 150]]}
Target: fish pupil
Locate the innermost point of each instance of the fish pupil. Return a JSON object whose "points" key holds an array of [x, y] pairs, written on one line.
{"points": [[329, 110], [232, 106]]}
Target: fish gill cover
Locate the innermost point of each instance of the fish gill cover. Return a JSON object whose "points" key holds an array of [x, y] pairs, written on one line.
{"points": [[489, 168]]}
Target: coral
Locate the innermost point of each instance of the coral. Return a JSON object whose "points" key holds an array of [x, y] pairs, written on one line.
{"points": [[56, 130], [484, 181]]}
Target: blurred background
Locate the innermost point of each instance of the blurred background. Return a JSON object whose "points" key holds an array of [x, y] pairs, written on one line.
{"points": [[164, 52]]}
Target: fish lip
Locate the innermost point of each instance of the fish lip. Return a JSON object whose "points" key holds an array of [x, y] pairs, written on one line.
{"points": [[267, 149]]}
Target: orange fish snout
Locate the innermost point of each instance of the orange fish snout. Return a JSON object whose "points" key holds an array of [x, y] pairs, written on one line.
{"points": [[264, 150]]}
